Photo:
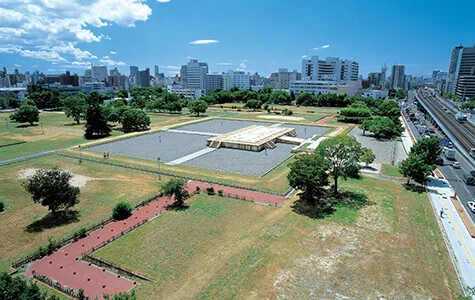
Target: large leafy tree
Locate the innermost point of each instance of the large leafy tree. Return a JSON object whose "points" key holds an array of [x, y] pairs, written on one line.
{"points": [[75, 107], [52, 188], [308, 173], [428, 148], [135, 119], [342, 153], [253, 104], [96, 118], [367, 156], [26, 114], [176, 188], [19, 288], [197, 107], [415, 168], [383, 127]]}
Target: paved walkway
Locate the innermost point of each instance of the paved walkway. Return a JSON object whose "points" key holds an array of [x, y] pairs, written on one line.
{"points": [[25, 157], [65, 267], [194, 132], [191, 156]]}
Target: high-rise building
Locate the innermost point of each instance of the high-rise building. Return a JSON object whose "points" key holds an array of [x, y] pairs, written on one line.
{"points": [[193, 75], [284, 77], [384, 69], [99, 73], [398, 76], [461, 76], [214, 82], [156, 71], [237, 79], [133, 71], [330, 69], [143, 78]]}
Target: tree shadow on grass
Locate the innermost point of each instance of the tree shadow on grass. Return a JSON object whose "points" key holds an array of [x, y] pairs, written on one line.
{"points": [[27, 125], [330, 203], [416, 188], [175, 207], [52, 220]]}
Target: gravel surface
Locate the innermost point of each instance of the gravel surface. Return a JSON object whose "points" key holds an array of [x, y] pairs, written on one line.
{"points": [[176, 145], [241, 161], [173, 146], [384, 149]]}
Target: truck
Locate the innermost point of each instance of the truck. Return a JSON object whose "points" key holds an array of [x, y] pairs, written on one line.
{"points": [[472, 152], [461, 118], [449, 153]]}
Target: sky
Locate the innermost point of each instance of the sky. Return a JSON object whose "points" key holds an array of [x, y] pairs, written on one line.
{"points": [[251, 35]]}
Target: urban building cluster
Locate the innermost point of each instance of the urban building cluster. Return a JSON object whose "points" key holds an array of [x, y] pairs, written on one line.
{"points": [[317, 75]]}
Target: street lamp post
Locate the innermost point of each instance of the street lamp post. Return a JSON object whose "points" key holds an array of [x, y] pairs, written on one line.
{"points": [[80, 154], [159, 172]]}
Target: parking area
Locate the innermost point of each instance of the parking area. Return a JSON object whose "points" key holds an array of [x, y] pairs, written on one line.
{"points": [[187, 145]]}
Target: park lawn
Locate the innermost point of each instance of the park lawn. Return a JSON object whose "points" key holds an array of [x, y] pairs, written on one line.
{"points": [[263, 116], [390, 170], [108, 186], [222, 248], [274, 181], [4, 141]]}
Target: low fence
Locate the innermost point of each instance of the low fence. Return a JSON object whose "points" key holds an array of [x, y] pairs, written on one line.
{"points": [[68, 291], [116, 269], [167, 174]]}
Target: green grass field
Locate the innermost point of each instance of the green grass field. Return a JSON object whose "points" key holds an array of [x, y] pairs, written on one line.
{"points": [[221, 248], [390, 170], [105, 187]]}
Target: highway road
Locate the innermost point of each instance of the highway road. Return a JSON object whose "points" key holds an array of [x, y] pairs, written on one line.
{"points": [[454, 176]]}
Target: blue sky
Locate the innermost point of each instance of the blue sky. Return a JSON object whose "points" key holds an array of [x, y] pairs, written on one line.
{"points": [[253, 35]]}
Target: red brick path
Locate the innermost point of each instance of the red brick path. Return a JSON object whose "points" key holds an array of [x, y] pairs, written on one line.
{"points": [[65, 267], [324, 120]]}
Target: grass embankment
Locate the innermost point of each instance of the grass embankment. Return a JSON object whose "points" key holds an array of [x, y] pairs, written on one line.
{"points": [[390, 170], [24, 227], [225, 248]]}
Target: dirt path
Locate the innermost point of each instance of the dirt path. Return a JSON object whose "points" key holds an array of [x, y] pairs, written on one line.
{"points": [[324, 120]]}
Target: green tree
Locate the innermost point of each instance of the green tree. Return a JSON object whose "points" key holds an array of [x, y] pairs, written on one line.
{"points": [[174, 106], [75, 107], [121, 211], [197, 107], [122, 94], [26, 114], [342, 152], [367, 156], [415, 168], [305, 99], [19, 288], [122, 296], [116, 115], [280, 97], [253, 104], [429, 149], [309, 174], [53, 189], [96, 117], [383, 127], [176, 188], [2, 206], [157, 105], [134, 120]]}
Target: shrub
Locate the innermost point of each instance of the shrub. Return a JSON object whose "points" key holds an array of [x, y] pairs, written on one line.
{"points": [[287, 112], [81, 233], [198, 190], [221, 193], [2, 206], [210, 190], [121, 211]]}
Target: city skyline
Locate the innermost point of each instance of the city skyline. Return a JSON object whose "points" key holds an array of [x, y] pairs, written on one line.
{"points": [[274, 35]]}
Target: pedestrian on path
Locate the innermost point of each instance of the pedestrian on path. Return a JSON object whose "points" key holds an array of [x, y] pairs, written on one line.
{"points": [[442, 212]]}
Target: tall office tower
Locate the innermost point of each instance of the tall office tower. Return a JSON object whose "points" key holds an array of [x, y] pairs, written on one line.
{"points": [[214, 82], [237, 79], [461, 76], [133, 71], [384, 69], [193, 75], [99, 74], [398, 76], [330, 69], [143, 78], [156, 71]]}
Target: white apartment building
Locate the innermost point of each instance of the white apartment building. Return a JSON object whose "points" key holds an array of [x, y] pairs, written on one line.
{"points": [[330, 69], [237, 79], [193, 75], [351, 88], [461, 77], [187, 93], [99, 74]]}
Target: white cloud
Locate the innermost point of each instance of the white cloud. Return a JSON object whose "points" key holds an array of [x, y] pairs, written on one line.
{"points": [[33, 28], [322, 47], [243, 65], [171, 67], [203, 42], [110, 62], [106, 57], [163, 1], [190, 57], [225, 64], [17, 66], [245, 60], [304, 56], [113, 52]]}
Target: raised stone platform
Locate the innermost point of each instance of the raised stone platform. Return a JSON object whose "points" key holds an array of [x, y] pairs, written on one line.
{"points": [[252, 138]]}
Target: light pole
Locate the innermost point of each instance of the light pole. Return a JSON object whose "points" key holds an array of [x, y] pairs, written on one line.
{"points": [[6, 120], [42, 129], [159, 173]]}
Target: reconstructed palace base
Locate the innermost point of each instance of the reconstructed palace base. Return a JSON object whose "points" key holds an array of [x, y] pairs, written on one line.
{"points": [[252, 138]]}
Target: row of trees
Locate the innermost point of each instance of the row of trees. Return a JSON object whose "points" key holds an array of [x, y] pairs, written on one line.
{"points": [[9, 103], [19, 288], [335, 158]]}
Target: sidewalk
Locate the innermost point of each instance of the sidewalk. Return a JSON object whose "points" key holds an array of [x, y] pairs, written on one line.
{"points": [[461, 245]]}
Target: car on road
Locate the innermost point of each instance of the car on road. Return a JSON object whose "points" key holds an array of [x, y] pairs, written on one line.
{"points": [[469, 179], [472, 173], [456, 165], [471, 205], [439, 161]]}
